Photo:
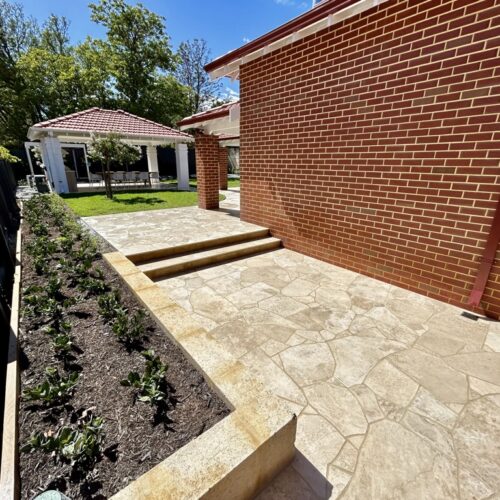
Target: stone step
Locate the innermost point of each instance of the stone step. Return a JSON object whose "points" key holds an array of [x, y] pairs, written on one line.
{"points": [[195, 246], [168, 266]]}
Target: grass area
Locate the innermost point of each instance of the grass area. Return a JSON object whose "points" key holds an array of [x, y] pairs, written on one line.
{"points": [[193, 182], [90, 204]]}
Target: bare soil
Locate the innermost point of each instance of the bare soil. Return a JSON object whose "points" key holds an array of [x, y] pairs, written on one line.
{"points": [[137, 436]]}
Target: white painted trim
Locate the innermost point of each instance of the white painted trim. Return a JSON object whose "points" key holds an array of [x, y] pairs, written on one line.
{"points": [[65, 135], [232, 69]]}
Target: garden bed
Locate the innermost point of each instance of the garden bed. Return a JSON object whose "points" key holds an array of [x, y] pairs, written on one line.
{"points": [[71, 323]]}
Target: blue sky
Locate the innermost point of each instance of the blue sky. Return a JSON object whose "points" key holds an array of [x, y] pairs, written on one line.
{"points": [[225, 24]]}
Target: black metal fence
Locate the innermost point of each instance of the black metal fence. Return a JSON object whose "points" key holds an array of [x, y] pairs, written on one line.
{"points": [[9, 223]]}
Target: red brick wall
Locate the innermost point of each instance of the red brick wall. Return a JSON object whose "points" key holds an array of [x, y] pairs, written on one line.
{"points": [[207, 170], [374, 144], [223, 161]]}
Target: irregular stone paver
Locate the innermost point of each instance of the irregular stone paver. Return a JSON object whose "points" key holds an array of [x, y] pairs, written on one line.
{"points": [[397, 395], [396, 463], [483, 365], [308, 363], [477, 438], [356, 356], [433, 373], [141, 231], [339, 406], [319, 444]]}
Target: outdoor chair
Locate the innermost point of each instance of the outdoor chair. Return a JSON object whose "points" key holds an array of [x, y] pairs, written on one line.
{"points": [[117, 177], [95, 179], [144, 177]]}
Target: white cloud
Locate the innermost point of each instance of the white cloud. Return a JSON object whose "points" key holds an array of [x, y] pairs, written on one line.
{"points": [[293, 3], [245, 39], [231, 94]]}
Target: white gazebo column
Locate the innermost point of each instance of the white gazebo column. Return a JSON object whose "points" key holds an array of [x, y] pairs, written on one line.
{"points": [[153, 164], [54, 163], [182, 163]]}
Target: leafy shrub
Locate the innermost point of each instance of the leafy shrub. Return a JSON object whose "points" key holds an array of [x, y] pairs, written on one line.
{"points": [[54, 389], [129, 329], [150, 386], [62, 342], [81, 447], [42, 250], [110, 305]]}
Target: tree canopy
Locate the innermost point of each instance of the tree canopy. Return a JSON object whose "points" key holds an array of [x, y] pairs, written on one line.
{"points": [[134, 67]]}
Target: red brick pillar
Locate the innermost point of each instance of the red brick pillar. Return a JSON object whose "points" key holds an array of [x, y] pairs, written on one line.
{"points": [[207, 170], [223, 161]]}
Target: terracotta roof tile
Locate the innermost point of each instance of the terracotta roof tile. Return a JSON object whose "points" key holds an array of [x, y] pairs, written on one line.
{"points": [[106, 121]]}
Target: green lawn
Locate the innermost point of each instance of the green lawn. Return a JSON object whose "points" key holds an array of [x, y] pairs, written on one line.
{"points": [[194, 182], [89, 204]]}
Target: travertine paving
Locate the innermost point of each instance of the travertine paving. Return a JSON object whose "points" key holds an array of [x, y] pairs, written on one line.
{"points": [[398, 395], [140, 231]]}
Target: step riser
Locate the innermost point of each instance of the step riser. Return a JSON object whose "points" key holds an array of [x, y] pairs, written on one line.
{"points": [[160, 253], [213, 259]]}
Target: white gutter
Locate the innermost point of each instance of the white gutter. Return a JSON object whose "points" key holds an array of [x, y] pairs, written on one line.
{"points": [[38, 132]]}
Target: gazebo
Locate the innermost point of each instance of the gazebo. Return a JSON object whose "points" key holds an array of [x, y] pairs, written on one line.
{"points": [[76, 130]]}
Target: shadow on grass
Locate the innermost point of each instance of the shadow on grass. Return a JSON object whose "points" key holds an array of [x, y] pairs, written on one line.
{"points": [[139, 200], [142, 198]]}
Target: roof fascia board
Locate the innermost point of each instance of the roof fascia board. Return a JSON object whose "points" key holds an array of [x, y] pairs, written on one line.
{"points": [[231, 68], [36, 133]]}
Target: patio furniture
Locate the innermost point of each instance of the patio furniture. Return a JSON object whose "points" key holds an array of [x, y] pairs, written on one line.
{"points": [[144, 177], [95, 179]]}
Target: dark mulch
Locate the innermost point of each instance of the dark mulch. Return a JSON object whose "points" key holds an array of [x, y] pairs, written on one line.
{"points": [[137, 436]]}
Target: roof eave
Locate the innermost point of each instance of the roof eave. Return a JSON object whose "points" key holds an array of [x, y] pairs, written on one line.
{"points": [[37, 133], [321, 17]]}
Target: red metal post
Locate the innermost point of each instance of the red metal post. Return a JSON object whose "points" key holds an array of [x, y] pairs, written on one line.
{"points": [[486, 261]]}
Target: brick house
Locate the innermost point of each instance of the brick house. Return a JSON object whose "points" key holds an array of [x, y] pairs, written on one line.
{"points": [[369, 138]]}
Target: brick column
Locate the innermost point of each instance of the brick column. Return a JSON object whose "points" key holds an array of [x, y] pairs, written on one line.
{"points": [[223, 161], [207, 170]]}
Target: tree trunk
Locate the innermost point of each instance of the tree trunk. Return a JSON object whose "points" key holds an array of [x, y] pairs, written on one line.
{"points": [[107, 182]]}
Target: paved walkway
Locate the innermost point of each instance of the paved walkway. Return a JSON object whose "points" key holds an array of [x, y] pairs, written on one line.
{"points": [[139, 231], [398, 395]]}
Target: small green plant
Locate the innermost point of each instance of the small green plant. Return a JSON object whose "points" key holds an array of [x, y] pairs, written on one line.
{"points": [[41, 250], [54, 389], [62, 342], [39, 303], [91, 285], [129, 329], [150, 386], [81, 446], [110, 305]]}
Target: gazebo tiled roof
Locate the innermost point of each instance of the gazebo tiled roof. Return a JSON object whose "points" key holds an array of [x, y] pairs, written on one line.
{"points": [[102, 121]]}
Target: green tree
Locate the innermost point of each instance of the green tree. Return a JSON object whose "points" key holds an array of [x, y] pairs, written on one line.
{"points": [[52, 83], [55, 35], [6, 156], [139, 48], [167, 101], [93, 60], [193, 56], [18, 33], [111, 149]]}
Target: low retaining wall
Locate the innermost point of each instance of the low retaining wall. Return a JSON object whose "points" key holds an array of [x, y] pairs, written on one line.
{"points": [[233, 460], [237, 457]]}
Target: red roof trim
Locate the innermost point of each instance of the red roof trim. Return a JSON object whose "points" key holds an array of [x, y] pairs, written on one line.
{"points": [[211, 114], [306, 19]]}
